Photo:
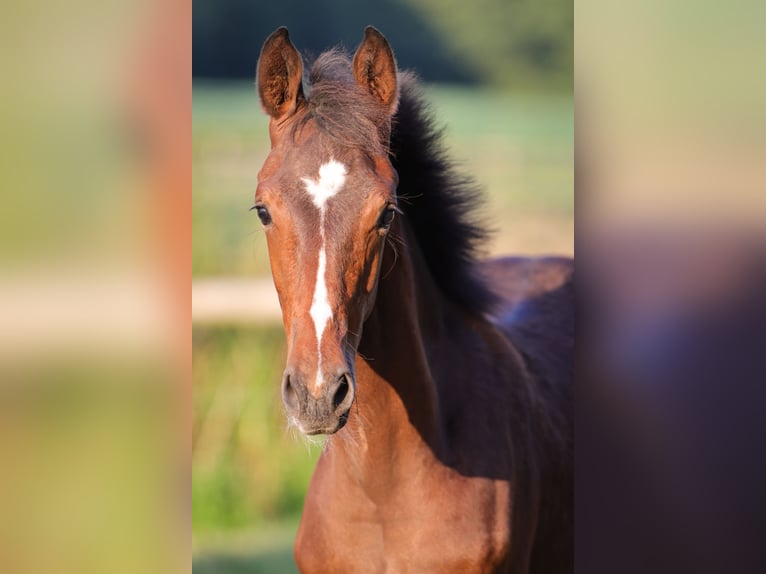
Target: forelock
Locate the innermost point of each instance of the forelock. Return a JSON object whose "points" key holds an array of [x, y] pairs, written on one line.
{"points": [[343, 110]]}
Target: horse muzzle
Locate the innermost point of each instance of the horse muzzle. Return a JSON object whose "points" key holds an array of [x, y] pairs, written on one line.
{"points": [[321, 408]]}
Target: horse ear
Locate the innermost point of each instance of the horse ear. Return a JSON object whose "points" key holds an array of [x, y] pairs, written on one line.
{"points": [[375, 68], [279, 75]]}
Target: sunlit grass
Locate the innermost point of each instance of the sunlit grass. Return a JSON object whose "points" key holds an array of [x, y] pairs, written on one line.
{"points": [[247, 468], [266, 550]]}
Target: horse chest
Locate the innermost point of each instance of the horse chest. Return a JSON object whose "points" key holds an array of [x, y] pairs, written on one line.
{"points": [[459, 527]]}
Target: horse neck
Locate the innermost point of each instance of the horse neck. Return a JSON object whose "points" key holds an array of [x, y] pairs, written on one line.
{"points": [[397, 410]]}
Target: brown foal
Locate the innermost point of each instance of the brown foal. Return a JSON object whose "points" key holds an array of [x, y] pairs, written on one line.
{"points": [[445, 383]]}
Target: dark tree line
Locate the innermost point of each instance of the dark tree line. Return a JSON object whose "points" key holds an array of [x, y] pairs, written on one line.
{"points": [[521, 43]]}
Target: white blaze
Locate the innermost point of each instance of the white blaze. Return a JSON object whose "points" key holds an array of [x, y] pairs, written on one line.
{"points": [[332, 175]]}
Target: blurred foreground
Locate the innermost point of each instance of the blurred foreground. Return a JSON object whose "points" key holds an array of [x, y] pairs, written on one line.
{"points": [[94, 266], [671, 244]]}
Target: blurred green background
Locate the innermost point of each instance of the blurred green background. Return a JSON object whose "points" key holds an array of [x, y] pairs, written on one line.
{"points": [[499, 77]]}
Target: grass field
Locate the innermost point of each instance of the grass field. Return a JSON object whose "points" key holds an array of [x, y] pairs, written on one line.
{"points": [[249, 474], [261, 551]]}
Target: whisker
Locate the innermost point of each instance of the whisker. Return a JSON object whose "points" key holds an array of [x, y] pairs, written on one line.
{"points": [[291, 428], [390, 242], [353, 333], [406, 198], [398, 239], [365, 357]]}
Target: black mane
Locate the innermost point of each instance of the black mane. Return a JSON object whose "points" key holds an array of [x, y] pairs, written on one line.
{"points": [[439, 204]]}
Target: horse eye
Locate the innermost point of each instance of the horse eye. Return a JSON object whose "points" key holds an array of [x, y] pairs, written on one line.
{"points": [[263, 214], [386, 217]]}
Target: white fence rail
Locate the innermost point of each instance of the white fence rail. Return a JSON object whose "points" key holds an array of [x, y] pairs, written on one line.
{"points": [[234, 300]]}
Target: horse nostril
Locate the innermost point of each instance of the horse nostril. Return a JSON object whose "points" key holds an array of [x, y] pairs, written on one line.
{"points": [[340, 392], [289, 396]]}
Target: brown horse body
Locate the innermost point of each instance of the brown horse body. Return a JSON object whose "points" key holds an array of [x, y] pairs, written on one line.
{"points": [[449, 407], [443, 466]]}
